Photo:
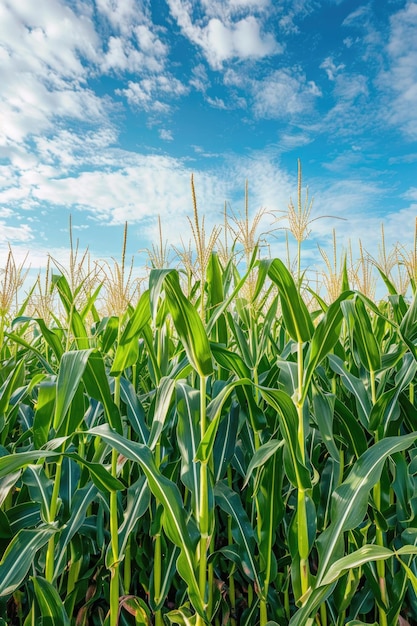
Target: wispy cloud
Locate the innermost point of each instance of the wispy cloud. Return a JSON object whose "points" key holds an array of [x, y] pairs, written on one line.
{"points": [[400, 80], [284, 94]]}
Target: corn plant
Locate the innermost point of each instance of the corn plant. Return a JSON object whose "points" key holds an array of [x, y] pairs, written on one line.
{"points": [[211, 452]]}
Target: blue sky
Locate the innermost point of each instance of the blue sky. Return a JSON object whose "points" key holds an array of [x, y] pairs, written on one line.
{"points": [[108, 106]]}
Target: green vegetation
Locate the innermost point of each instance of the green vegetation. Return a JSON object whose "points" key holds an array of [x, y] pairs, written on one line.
{"points": [[220, 446]]}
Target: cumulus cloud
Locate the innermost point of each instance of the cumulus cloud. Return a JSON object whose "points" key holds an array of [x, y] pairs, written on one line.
{"points": [[223, 37]]}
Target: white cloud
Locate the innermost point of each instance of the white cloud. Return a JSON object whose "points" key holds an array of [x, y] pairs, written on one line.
{"points": [[166, 135], [121, 13], [149, 94], [284, 94], [223, 38], [17, 234], [400, 81], [331, 68]]}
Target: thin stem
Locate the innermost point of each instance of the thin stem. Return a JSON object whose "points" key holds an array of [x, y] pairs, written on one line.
{"points": [[204, 503], [49, 563], [114, 535], [232, 592], [303, 544], [114, 527]]}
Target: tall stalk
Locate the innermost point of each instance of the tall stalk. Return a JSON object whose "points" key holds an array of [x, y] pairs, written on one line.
{"points": [[203, 513], [302, 522]]}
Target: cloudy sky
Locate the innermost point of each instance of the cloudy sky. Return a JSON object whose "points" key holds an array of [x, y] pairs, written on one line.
{"points": [[108, 106]]}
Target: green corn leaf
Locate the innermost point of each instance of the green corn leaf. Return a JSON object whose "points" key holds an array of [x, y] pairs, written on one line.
{"points": [[12, 462], [222, 308], [214, 411], [135, 410], [297, 319], [288, 420], [323, 404], [12, 382], [167, 493], [97, 385], [243, 533], [25, 515], [67, 298], [40, 488], [408, 326], [82, 499], [6, 484], [365, 554], [51, 337], [261, 456], [188, 437], [230, 361], [99, 475], [270, 509], [44, 413], [128, 347], [325, 336], [168, 575], [138, 496], [156, 285], [355, 386], [350, 500], [50, 605], [189, 326], [71, 370], [163, 403], [19, 556], [225, 443]]}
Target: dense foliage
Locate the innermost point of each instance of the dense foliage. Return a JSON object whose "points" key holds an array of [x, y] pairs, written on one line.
{"points": [[228, 456]]}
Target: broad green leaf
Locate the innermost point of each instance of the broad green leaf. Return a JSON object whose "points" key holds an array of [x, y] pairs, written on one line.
{"points": [[365, 554], [362, 334], [288, 420], [137, 504], [225, 443], [135, 410], [25, 515], [325, 336], [40, 488], [82, 499], [296, 316], [71, 371], [50, 336], [19, 556], [214, 411], [44, 412], [13, 462], [350, 500], [230, 361], [167, 493], [163, 402], [323, 404], [49, 603], [68, 300], [128, 348], [261, 456], [189, 326], [97, 385], [243, 533], [188, 438], [355, 386], [12, 382], [99, 475]]}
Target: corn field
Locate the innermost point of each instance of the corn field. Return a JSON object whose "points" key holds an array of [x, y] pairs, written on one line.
{"points": [[220, 446]]}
